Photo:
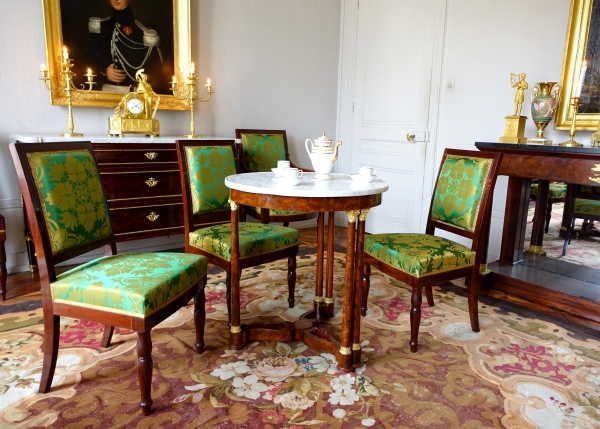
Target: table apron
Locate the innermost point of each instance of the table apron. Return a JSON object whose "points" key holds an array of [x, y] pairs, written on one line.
{"points": [[309, 204], [552, 168]]}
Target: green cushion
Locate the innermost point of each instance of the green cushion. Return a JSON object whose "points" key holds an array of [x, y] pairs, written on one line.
{"points": [[557, 190], [208, 167], [583, 206], [133, 284], [262, 151], [458, 193], [419, 255], [590, 189], [71, 195], [276, 212], [255, 239]]}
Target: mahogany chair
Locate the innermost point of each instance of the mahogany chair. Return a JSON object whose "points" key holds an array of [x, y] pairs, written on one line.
{"points": [[204, 165], [260, 151], [461, 204], [68, 216], [556, 194], [583, 202], [2, 259]]}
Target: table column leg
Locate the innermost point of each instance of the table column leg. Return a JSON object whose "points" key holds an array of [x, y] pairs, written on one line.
{"points": [[235, 330], [515, 220], [539, 219], [345, 352], [320, 256], [360, 250], [328, 307]]}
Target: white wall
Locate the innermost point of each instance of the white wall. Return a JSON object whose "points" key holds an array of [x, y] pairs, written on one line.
{"points": [[485, 42], [273, 64]]}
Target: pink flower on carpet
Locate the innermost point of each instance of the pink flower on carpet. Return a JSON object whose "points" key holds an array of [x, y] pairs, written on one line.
{"points": [[533, 362], [272, 417], [396, 306], [273, 391], [81, 330], [278, 368]]}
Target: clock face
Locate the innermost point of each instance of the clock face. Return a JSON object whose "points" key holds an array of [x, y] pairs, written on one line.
{"points": [[135, 106]]}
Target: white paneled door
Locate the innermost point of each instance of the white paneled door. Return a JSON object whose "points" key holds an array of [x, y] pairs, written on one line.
{"points": [[397, 55]]}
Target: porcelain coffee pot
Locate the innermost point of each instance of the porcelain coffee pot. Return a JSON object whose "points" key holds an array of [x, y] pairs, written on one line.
{"points": [[322, 155]]}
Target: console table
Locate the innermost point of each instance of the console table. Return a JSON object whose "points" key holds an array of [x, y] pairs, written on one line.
{"points": [[141, 180], [572, 289]]}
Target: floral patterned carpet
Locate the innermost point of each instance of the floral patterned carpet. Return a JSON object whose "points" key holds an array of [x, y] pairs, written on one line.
{"points": [[518, 372]]}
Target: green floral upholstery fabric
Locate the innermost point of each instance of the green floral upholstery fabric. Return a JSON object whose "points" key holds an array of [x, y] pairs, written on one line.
{"points": [[419, 255], [583, 206], [590, 189], [255, 239], [458, 193], [262, 151], [208, 166], [71, 195], [276, 212], [557, 190], [133, 284]]}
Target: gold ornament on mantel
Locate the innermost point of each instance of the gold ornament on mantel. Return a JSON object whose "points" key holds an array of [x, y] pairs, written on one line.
{"points": [[138, 113], [68, 87], [187, 91], [514, 128]]}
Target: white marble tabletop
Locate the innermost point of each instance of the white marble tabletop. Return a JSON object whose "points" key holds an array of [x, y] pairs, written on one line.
{"points": [[128, 138], [341, 185]]}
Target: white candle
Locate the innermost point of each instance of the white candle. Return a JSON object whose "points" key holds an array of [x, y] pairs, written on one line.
{"points": [[174, 80], [89, 75], [581, 78], [43, 68], [192, 69], [65, 53]]}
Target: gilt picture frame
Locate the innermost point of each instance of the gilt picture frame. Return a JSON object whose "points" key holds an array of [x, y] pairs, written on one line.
{"points": [[582, 43], [59, 26]]}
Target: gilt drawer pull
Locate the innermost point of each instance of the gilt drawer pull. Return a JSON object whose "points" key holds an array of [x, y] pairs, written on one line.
{"points": [[152, 217], [151, 182], [151, 155]]}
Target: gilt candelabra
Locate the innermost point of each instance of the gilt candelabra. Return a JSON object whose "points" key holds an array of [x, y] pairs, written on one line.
{"points": [[575, 103], [187, 91], [68, 86]]}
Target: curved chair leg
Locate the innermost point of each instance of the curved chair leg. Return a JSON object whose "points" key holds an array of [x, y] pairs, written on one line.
{"points": [[108, 333], [228, 296], [144, 368], [291, 280], [570, 226], [415, 317], [200, 316], [366, 284], [51, 335], [473, 284], [286, 224], [429, 295]]}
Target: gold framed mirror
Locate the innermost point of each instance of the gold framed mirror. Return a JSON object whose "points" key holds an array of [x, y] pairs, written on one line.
{"points": [[583, 43], [67, 23]]}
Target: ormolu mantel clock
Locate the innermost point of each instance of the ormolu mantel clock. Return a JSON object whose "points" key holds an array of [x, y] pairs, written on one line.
{"points": [[138, 114]]}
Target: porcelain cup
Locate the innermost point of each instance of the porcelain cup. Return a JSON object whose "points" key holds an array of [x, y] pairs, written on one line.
{"points": [[283, 165], [293, 176], [366, 172]]}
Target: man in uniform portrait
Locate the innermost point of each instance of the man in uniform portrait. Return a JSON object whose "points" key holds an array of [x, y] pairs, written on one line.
{"points": [[120, 45]]}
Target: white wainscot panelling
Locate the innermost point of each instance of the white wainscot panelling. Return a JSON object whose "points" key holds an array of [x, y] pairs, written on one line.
{"points": [[393, 215], [387, 147]]}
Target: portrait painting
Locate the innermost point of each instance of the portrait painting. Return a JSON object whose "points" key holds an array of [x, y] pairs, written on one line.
{"points": [[115, 39]]}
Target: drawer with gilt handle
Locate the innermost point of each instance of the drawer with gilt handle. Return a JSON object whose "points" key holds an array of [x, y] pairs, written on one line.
{"points": [[130, 153], [138, 185], [147, 221]]}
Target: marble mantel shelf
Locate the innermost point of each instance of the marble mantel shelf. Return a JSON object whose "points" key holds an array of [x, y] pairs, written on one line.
{"points": [[41, 138]]}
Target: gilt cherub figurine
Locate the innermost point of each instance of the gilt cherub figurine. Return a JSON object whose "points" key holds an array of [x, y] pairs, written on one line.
{"points": [[521, 86]]}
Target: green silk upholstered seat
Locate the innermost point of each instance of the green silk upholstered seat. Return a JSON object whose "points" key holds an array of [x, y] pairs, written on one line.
{"points": [[460, 203], [419, 255], [134, 284], [556, 190], [583, 207], [68, 215], [255, 239]]}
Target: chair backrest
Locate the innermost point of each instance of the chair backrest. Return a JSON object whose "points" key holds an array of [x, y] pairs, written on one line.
{"points": [[65, 201], [204, 165], [261, 149], [463, 192]]}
